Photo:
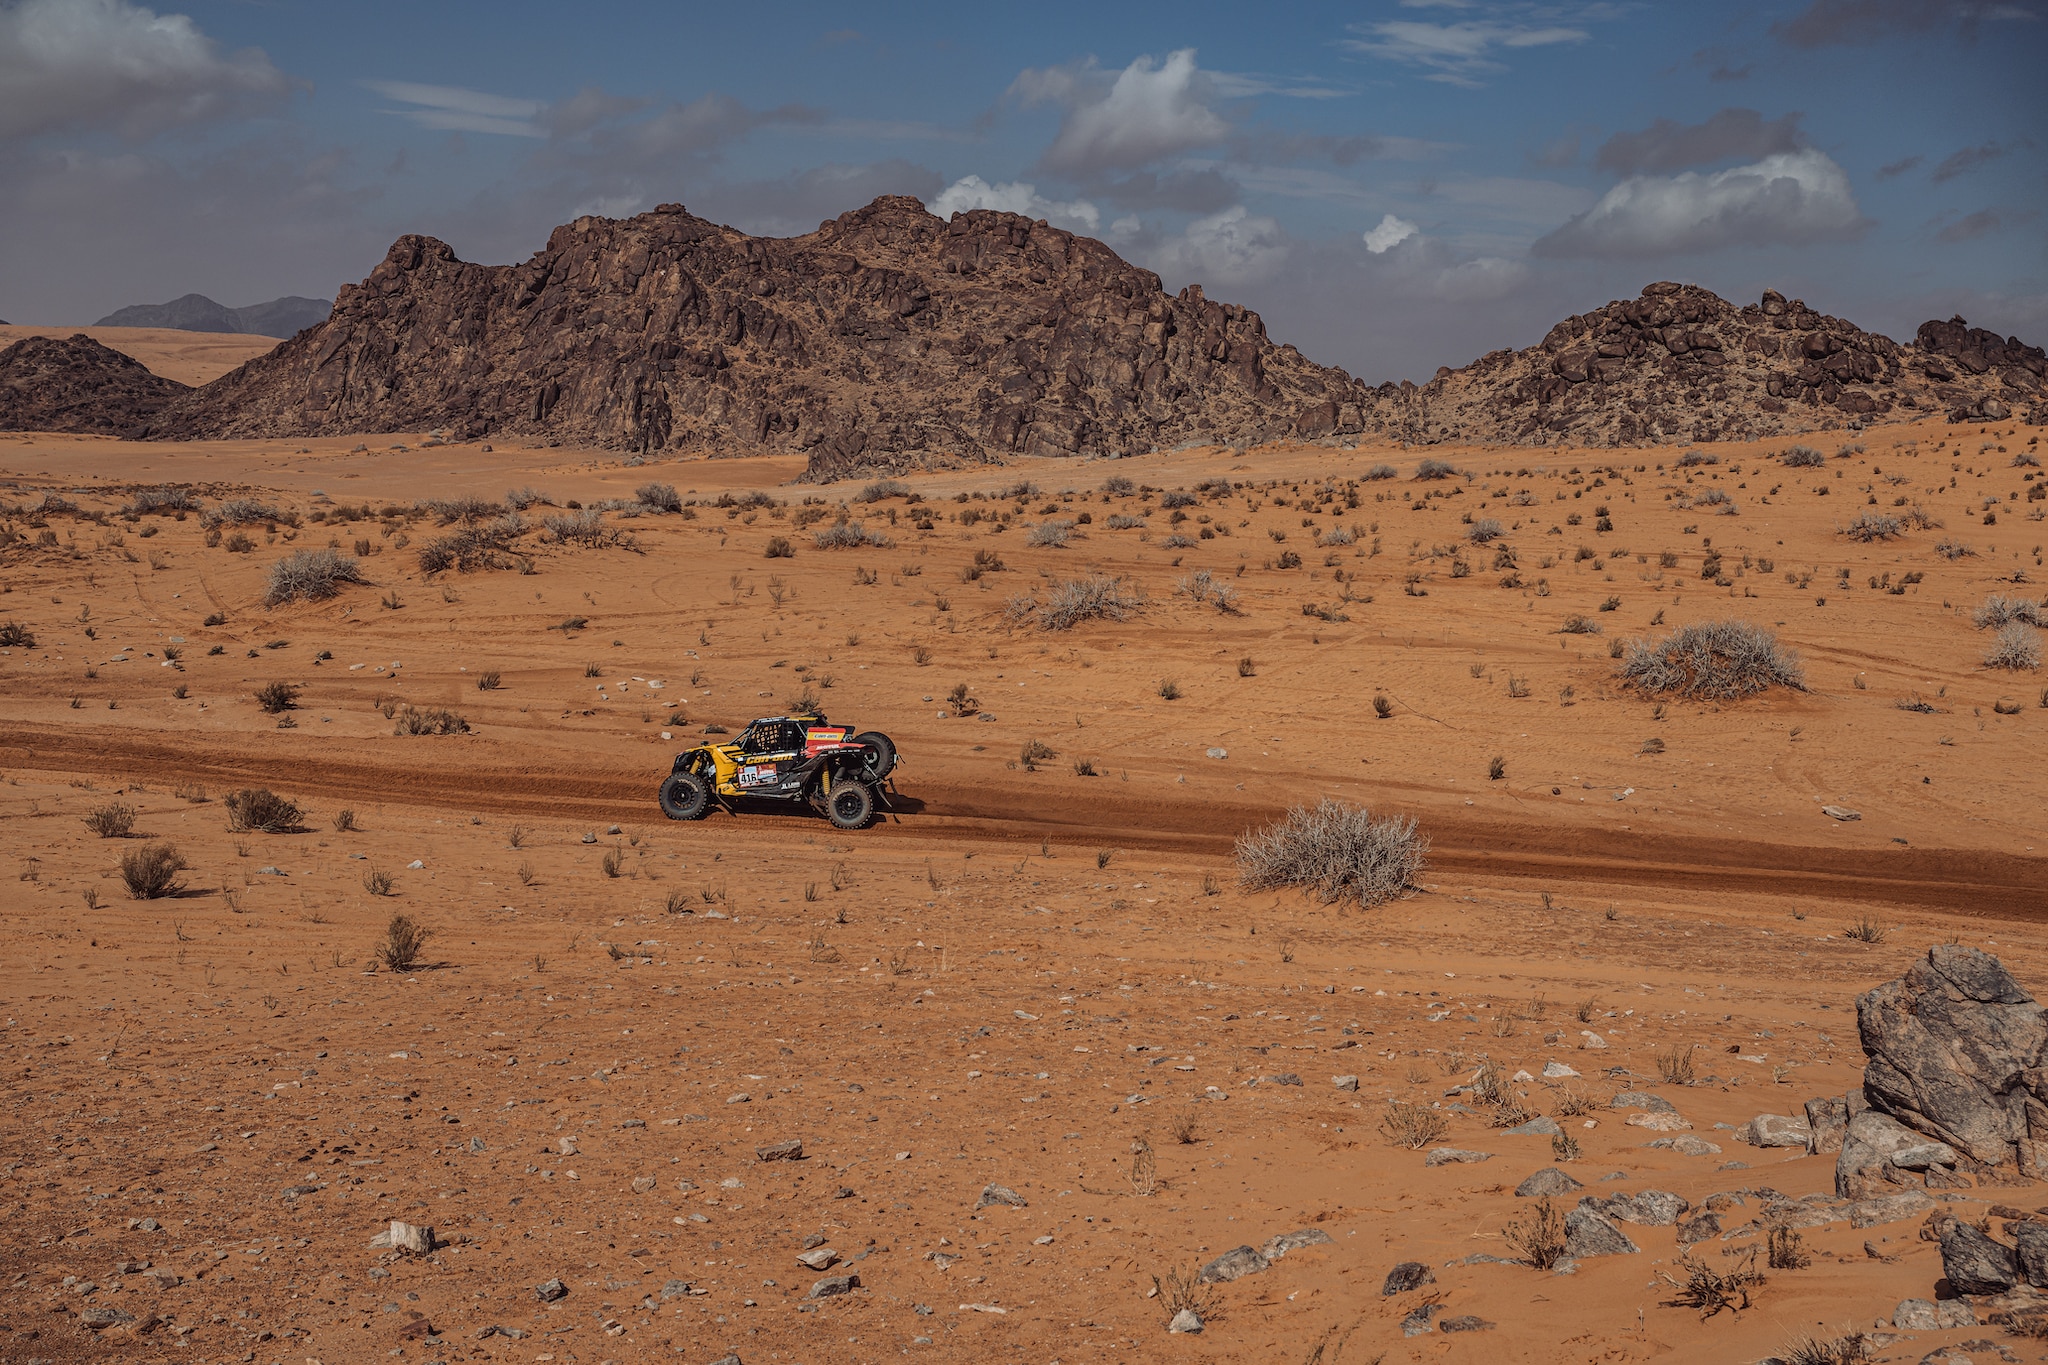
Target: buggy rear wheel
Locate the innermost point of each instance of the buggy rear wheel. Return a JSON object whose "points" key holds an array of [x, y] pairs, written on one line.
{"points": [[685, 796], [851, 804], [881, 754]]}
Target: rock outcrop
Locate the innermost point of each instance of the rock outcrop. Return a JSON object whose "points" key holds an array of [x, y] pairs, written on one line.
{"points": [[198, 313], [887, 338], [74, 384], [1681, 363], [1955, 1051]]}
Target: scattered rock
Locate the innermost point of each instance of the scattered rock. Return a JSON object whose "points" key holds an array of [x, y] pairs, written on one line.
{"points": [[1651, 1208], [1546, 1184], [791, 1150], [407, 1237], [1186, 1320], [1699, 1228], [1887, 1208], [1407, 1276], [1445, 1156], [818, 1258], [1689, 1144], [1231, 1265], [1827, 1119], [1540, 1126], [644, 1184], [1421, 1320], [1642, 1099], [1557, 1071], [1465, 1322], [993, 1194], [833, 1285], [1659, 1122], [674, 1289], [1344, 1082], [1841, 813], [1589, 1233], [1875, 1147], [1973, 1263], [551, 1290], [2032, 1240], [1276, 1247], [101, 1318], [1775, 1130]]}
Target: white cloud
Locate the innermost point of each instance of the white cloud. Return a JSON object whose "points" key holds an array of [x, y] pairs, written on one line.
{"points": [[1391, 232], [1790, 198], [454, 109], [972, 192], [1457, 54], [1149, 111], [111, 64], [1228, 248]]}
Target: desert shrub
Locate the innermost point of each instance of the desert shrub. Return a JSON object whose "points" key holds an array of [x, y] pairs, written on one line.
{"points": [[1413, 1126], [151, 872], [1117, 486], [403, 945], [379, 882], [1177, 498], [1050, 533], [1577, 624], [258, 810], [1711, 1290], [582, 527], [1948, 547], [1338, 535], [1035, 752], [1539, 1239], [882, 489], [1844, 1350], [1097, 597], [851, 536], [2016, 647], [1675, 1066], [2000, 610], [1119, 522], [779, 548], [239, 512], [14, 635], [314, 575], [168, 498], [1870, 526], [1340, 850], [1693, 459], [1484, 530], [1435, 469], [1803, 457], [658, 497], [519, 499], [472, 547], [433, 721], [469, 507], [1714, 497], [276, 698], [114, 820], [1787, 1251], [1381, 471], [1712, 660]]}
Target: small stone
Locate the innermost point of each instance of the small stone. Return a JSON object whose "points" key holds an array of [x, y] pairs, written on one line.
{"points": [[1693, 1146], [1642, 1099], [1233, 1264], [1589, 1039], [1465, 1322], [1916, 1315], [992, 1194], [1407, 1276], [550, 1290], [1557, 1071], [415, 865], [1659, 1123], [1344, 1082], [818, 1259], [1421, 1320], [1219, 753], [590, 838], [1547, 1183], [1775, 1130], [99, 1319], [1276, 1247], [408, 1237], [614, 829], [1699, 1228], [1589, 1233], [644, 1184], [1651, 1208], [674, 1289], [834, 1285], [1186, 1320], [1539, 1126], [1445, 1156], [791, 1150]]}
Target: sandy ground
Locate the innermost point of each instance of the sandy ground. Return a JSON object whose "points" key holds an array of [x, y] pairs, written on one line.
{"points": [[1027, 976], [188, 357]]}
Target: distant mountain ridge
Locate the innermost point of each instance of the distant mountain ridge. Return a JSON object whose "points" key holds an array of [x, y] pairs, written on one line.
{"points": [[197, 313]]}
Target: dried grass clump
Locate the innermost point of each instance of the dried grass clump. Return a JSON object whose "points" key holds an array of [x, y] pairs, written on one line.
{"points": [[239, 512], [882, 489], [15, 635], [1693, 459], [404, 944], [111, 821], [311, 575], [473, 547], [433, 721], [151, 872], [1539, 1240], [276, 698], [658, 497], [1379, 472], [168, 498], [1871, 526], [258, 810], [2017, 647], [1071, 601], [1413, 1126], [584, 526], [1711, 1290], [1485, 530], [1338, 849], [851, 536], [1844, 1350], [1054, 533], [469, 507], [2000, 610], [1713, 661], [1803, 457]]}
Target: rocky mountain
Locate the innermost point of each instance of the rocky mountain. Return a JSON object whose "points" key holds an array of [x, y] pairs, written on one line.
{"points": [[1681, 363], [887, 338], [75, 384], [198, 313]]}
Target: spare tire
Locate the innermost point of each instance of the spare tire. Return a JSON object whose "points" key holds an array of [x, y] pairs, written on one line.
{"points": [[851, 804], [881, 754], [685, 796]]}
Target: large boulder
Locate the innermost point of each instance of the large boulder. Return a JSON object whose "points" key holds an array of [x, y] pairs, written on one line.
{"points": [[1589, 1233], [1973, 1263], [1880, 1153], [1955, 1048]]}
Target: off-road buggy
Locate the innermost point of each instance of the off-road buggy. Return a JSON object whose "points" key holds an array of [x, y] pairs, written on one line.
{"points": [[785, 758]]}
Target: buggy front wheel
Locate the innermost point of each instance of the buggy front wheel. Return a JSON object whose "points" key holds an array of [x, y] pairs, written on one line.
{"points": [[685, 796]]}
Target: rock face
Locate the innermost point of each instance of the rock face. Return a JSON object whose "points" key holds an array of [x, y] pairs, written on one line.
{"points": [[1681, 363], [1955, 1052], [887, 338], [74, 384]]}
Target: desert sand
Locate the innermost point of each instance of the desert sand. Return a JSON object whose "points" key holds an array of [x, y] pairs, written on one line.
{"points": [[1041, 974], [188, 357]]}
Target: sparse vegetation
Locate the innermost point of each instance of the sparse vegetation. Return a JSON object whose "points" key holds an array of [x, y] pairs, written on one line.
{"points": [[1850, 1349], [114, 820], [1999, 610], [432, 721], [345, 821], [378, 882], [1069, 602], [1413, 1126], [1712, 661], [1053, 533], [1183, 1291], [1785, 1251], [1675, 1066], [1873, 526], [1712, 1291], [14, 635], [258, 810], [403, 945], [151, 871], [851, 536], [1866, 930], [1340, 850], [1435, 469], [2016, 647], [1538, 1239], [658, 497], [1802, 457], [276, 698], [309, 575]]}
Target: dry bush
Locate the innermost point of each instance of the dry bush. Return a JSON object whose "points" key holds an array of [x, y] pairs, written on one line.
{"points": [[519, 499], [2016, 647], [1054, 533], [1183, 1129], [851, 536], [1692, 459], [469, 507], [1097, 597], [489, 680], [1675, 1066], [434, 721], [168, 498], [1948, 547], [1577, 624], [584, 526], [1999, 610], [1803, 457], [14, 635], [151, 872], [882, 489], [1183, 1290], [1851, 1349], [1035, 752], [1434, 469], [111, 821], [1712, 661], [258, 810], [379, 882], [403, 945], [345, 821], [240, 512], [473, 547], [1711, 1290], [1538, 1239], [1571, 1103], [658, 497], [779, 548], [311, 575], [1338, 849], [1866, 930], [1413, 1126], [276, 698], [1786, 1251], [1873, 526], [1485, 530]]}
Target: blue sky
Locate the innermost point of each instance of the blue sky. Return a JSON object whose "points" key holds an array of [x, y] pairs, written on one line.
{"points": [[1394, 185]]}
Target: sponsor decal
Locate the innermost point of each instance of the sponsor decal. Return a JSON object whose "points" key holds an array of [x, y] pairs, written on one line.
{"points": [[757, 775]]}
